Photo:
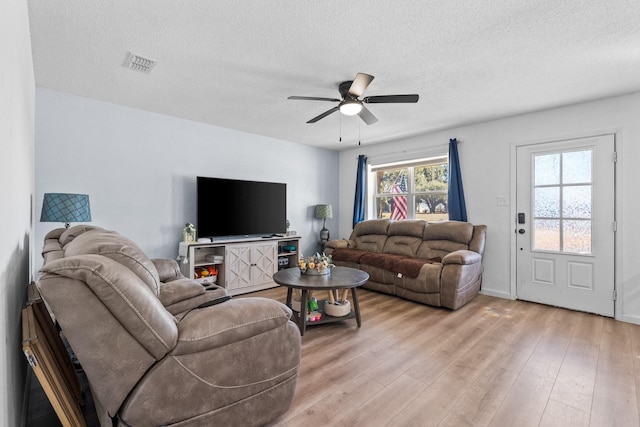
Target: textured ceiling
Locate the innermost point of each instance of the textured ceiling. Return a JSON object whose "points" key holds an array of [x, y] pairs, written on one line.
{"points": [[233, 63]]}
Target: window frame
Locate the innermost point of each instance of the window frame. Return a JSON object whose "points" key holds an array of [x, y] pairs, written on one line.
{"points": [[432, 158]]}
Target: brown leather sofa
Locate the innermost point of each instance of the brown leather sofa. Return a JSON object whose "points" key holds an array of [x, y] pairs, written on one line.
{"points": [[158, 348], [438, 264]]}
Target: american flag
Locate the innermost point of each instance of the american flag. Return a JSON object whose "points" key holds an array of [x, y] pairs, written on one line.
{"points": [[399, 210]]}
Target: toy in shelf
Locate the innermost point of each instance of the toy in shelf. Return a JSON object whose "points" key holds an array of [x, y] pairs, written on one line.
{"points": [[207, 272], [313, 315]]}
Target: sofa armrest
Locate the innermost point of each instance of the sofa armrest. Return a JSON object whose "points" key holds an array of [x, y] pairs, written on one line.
{"points": [[234, 320], [337, 243], [168, 269], [462, 257], [179, 290]]}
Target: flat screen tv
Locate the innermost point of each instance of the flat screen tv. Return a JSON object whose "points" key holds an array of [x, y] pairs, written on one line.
{"points": [[231, 207]]}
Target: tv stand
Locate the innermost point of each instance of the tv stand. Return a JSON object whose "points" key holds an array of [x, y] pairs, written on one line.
{"points": [[245, 264]]}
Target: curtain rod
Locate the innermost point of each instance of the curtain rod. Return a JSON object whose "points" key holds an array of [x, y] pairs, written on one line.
{"points": [[410, 152]]}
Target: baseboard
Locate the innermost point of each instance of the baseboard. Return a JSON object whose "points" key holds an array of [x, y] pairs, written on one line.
{"points": [[631, 319], [497, 294], [25, 397]]}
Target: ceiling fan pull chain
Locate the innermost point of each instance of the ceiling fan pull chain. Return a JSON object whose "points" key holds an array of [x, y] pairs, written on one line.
{"points": [[340, 139], [359, 134]]}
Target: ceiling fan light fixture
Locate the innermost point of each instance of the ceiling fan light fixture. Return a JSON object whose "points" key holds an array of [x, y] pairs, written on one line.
{"points": [[350, 107]]}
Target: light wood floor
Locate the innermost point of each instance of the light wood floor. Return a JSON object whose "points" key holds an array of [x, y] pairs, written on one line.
{"points": [[495, 362]]}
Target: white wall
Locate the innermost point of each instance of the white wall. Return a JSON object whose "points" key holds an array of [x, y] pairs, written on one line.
{"points": [[140, 169], [485, 157], [16, 176]]}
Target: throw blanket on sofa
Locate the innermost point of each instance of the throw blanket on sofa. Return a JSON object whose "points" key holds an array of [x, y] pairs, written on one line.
{"points": [[409, 267], [347, 254]]}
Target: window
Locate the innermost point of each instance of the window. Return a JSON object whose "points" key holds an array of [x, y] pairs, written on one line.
{"points": [[412, 190], [562, 201]]}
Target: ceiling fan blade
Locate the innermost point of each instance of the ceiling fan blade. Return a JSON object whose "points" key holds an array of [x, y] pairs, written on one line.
{"points": [[367, 116], [313, 98], [360, 84], [390, 99], [323, 115]]}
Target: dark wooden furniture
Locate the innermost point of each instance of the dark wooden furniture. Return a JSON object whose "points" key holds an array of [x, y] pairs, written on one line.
{"points": [[339, 278], [47, 355]]}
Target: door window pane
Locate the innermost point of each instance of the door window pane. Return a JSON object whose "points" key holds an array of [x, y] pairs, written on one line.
{"points": [[576, 236], [546, 234], [563, 196], [576, 167], [576, 201], [547, 202], [547, 169]]}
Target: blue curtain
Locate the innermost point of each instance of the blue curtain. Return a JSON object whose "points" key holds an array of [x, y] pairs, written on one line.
{"points": [[360, 200], [457, 207]]}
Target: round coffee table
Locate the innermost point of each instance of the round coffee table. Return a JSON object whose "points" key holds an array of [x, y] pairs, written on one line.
{"points": [[339, 278]]}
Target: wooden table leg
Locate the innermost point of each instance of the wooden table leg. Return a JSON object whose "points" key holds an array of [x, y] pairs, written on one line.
{"points": [[289, 293], [302, 321], [356, 306]]}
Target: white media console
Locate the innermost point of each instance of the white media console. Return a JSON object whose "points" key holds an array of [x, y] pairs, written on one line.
{"points": [[242, 265]]}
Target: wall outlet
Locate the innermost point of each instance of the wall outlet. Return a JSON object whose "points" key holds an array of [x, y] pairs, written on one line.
{"points": [[502, 201]]}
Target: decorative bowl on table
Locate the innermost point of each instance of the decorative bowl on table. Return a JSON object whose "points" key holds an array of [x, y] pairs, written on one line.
{"points": [[316, 265]]}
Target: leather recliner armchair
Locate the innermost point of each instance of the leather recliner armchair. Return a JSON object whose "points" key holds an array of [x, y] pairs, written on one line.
{"points": [[189, 358]]}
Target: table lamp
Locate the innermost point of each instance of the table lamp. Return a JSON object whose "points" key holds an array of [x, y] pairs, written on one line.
{"points": [[63, 207], [323, 212]]}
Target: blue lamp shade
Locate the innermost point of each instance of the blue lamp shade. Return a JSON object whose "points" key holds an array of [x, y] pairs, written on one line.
{"points": [[63, 207]]}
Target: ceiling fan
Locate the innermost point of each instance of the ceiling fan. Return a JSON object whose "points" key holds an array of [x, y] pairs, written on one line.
{"points": [[351, 104]]}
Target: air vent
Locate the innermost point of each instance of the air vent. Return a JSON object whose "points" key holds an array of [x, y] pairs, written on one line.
{"points": [[139, 63]]}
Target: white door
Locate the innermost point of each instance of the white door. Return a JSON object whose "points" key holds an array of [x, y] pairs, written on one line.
{"points": [[565, 229], [250, 265], [264, 259], [238, 266]]}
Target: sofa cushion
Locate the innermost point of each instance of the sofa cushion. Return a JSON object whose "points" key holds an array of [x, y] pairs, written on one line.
{"points": [[384, 261], [55, 233], [402, 245], [443, 238], [410, 267], [408, 227], [71, 233], [370, 235], [454, 231], [347, 254], [117, 247], [372, 226], [371, 242], [52, 250]]}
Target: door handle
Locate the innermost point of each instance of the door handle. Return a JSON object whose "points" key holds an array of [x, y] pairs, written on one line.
{"points": [[521, 231]]}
